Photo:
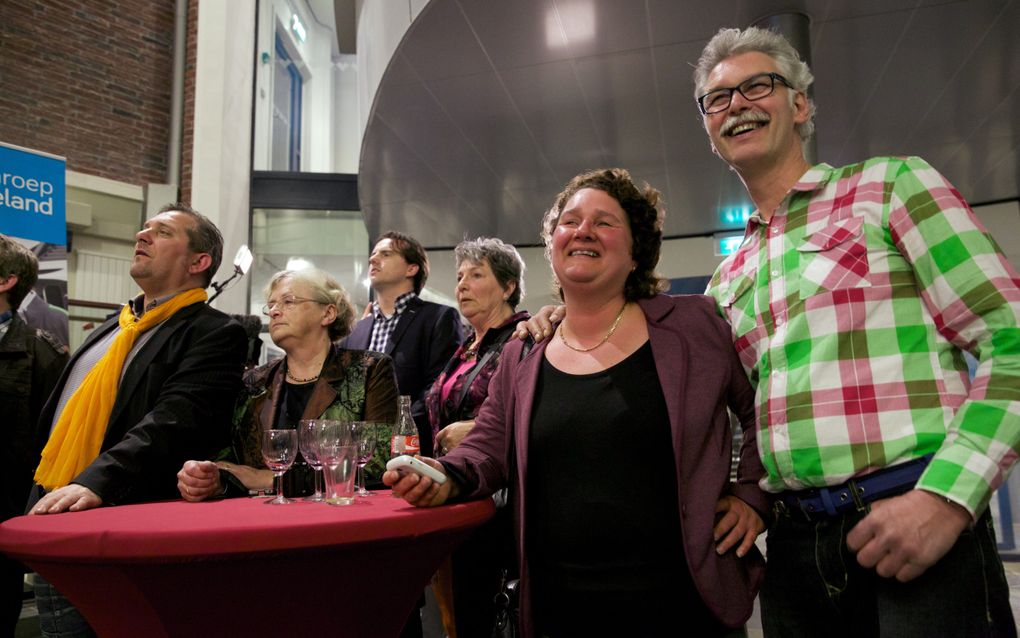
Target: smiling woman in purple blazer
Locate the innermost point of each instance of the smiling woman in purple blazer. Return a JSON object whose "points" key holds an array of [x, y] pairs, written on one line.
{"points": [[614, 439]]}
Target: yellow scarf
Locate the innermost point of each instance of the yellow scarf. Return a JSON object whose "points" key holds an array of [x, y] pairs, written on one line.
{"points": [[78, 434]]}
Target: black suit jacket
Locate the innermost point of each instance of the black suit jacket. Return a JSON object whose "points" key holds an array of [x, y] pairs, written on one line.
{"points": [[426, 336], [174, 403], [30, 364]]}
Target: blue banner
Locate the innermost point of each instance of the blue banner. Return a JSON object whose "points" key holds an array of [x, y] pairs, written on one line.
{"points": [[32, 195]]}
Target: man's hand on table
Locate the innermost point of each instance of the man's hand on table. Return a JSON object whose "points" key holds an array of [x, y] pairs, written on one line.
{"points": [[420, 491], [541, 324], [904, 535], [70, 498], [199, 480]]}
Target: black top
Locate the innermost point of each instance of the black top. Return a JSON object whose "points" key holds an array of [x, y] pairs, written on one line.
{"points": [[602, 499], [603, 513], [292, 407]]}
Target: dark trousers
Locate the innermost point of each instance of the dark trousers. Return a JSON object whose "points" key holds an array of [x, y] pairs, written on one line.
{"points": [[814, 586], [477, 571], [12, 581], [58, 618]]}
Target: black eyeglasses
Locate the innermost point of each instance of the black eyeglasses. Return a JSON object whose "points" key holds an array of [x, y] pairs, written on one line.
{"points": [[753, 88]]}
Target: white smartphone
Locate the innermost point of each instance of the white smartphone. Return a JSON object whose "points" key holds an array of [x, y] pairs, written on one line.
{"points": [[405, 464]]}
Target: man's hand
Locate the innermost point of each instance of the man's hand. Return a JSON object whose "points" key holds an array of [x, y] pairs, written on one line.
{"points": [[541, 324], [905, 535], [738, 523], [70, 498], [250, 477], [420, 491], [198, 480], [451, 436]]}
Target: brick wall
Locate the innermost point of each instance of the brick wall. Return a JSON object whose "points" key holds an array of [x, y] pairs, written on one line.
{"points": [[188, 132], [89, 80]]}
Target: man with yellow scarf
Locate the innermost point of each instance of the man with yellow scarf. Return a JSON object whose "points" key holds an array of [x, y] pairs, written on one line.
{"points": [[147, 390]]}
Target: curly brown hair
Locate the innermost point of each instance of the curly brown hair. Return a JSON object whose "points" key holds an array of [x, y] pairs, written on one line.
{"points": [[644, 213]]}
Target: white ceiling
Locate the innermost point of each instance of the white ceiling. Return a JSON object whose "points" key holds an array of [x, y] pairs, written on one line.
{"points": [[489, 107]]}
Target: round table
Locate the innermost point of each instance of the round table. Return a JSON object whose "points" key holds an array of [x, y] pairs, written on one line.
{"points": [[242, 567]]}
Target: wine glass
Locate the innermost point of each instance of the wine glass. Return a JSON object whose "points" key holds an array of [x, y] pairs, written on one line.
{"points": [[279, 449], [337, 455], [308, 442], [363, 438]]}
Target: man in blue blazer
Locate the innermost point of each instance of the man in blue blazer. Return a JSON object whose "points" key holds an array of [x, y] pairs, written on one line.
{"points": [[420, 336]]}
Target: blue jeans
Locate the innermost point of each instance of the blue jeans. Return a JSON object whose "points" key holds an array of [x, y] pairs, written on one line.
{"points": [[57, 616], [815, 587]]}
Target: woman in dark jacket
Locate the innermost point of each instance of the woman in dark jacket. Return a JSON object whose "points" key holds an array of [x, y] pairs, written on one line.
{"points": [[308, 312], [490, 285]]}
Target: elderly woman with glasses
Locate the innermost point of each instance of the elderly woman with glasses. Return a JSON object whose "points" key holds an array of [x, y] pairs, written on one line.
{"points": [[308, 312], [490, 285], [614, 440]]}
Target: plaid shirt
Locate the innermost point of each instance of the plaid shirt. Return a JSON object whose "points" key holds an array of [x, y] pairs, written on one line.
{"points": [[850, 310], [383, 326]]}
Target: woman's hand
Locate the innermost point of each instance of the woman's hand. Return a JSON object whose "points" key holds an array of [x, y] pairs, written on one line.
{"points": [[199, 480], [451, 436], [738, 523], [541, 324], [420, 491], [250, 477]]}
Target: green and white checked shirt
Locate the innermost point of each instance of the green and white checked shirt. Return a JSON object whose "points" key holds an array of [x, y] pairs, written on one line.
{"points": [[850, 310]]}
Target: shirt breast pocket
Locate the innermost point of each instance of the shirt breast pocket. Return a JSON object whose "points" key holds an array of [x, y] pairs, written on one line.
{"points": [[834, 258], [738, 304]]}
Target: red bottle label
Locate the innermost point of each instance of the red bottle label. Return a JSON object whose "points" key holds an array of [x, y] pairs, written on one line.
{"points": [[404, 444]]}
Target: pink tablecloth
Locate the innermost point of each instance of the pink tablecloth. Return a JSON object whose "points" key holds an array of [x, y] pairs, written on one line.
{"points": [[241, 567]]}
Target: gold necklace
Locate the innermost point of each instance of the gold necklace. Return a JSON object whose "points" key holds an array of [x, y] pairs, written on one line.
{"points": [[297, 380], [616, 322]]}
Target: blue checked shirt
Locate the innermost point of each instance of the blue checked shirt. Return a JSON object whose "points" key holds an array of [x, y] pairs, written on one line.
{"points": [[383, 327]]}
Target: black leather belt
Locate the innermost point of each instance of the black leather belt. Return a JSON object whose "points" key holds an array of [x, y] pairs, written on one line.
{"points": [[824, 502]]}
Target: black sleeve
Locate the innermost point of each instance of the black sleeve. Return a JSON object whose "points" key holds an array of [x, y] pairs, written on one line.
{"points": [[190, 418]]}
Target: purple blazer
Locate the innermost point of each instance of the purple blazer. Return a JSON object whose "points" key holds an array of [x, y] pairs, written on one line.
{"points": [[700, 376]]}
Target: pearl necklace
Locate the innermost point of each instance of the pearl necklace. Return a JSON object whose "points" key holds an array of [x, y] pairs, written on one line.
{"points": [[616, 322]]}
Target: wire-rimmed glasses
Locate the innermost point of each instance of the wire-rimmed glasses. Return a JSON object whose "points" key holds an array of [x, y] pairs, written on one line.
{"points": [[286, 304], [754, 88]]}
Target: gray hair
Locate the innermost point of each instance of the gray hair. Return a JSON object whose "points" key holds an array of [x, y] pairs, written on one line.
{"points": [[730, 42], [503, 259], [325, 290]]}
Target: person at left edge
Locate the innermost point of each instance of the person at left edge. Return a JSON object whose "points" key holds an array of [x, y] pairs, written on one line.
{"points": [[30, 364], [147, 390]]}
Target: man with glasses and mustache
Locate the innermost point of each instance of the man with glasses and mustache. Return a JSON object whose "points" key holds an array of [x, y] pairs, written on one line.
{"points": [[852, 299]]}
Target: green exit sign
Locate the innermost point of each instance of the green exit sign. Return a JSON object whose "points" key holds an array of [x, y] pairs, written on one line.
{"points": [[727, 244], [735, 215]]}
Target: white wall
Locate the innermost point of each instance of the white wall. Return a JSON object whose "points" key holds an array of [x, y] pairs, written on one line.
{"points": [[1003, 223], [347, 115], [221, 173], [381, 27]]}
